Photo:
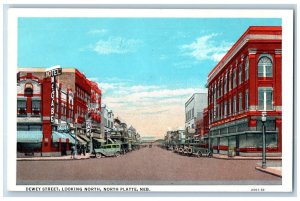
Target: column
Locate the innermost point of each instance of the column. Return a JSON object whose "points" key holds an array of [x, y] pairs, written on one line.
{"points": [[252, 80]]}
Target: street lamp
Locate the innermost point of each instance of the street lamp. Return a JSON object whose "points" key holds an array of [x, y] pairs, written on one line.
{"points": [[263, 120]]}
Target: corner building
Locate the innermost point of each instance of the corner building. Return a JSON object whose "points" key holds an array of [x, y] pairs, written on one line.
{"points": [[245, 83]]}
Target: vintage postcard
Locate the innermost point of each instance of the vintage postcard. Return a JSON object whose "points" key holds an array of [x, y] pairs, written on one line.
{"points": [[150, 100]]}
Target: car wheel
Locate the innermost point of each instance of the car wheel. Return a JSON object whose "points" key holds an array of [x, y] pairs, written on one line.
{"points": [[117, 154], [98, 155]]}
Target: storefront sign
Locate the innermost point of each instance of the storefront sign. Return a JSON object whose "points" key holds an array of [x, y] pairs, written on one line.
{"points": [[52, 106], [64, 128], [53, 72]]}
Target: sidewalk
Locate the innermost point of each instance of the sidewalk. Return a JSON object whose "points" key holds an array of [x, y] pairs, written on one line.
{"points": [[45, 158], [277, 171], [226, 157]]}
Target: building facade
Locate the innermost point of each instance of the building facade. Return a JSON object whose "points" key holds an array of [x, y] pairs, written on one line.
{"points": [[245, 83], [194, 111], [107, 123], [65, 98]]}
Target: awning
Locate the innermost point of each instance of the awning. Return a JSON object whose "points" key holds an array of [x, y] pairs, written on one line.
{"points": [[29, 136], [63, 136], [84, 138], [79, 140], [100, 140]]}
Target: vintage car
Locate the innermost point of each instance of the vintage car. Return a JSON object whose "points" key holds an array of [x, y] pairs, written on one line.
{"points": [[108, 150]]}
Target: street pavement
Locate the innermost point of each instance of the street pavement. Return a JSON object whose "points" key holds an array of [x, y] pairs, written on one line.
{"points": [[149, 166]]}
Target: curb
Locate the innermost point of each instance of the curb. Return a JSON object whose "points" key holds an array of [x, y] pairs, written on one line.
{"points": [[269, 172], [245, 158], [50, 159]]}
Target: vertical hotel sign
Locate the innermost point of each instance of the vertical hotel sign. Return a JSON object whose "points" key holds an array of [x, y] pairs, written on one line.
{"points": [[52, 73]]}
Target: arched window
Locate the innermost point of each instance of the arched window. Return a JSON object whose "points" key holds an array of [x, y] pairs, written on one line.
{"points": [[28, 91], [265, 67]]}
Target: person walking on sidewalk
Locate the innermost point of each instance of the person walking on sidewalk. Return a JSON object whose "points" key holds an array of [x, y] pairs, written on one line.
{"points": [[83, 149], [73, 152]]}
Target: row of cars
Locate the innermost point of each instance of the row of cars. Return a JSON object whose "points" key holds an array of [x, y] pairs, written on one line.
{"points": [[191, 147]]}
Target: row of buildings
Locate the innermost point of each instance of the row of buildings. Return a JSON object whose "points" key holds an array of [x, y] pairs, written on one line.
{"points": [[244, 84], [58, 108]]}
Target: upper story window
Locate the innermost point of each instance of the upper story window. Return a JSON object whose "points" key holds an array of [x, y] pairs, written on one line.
{"points": [[265, 66], [265, 98], [28, 91], [36, 107], [229, 81], [240, 73], [21, 105], [246, 100], [234, 104], [240, 102], [247, 69], [225, 84], [234, 79]]}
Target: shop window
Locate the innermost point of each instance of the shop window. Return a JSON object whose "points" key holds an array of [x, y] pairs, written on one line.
{"points": [[265, 98], [21, 127], [265, 67]]}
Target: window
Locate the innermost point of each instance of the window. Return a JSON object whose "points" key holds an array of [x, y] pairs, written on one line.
{"points": [[221, 88], [234, 104], [234, 78], [265, 67], [36, 106], [225, 108], [240, 73], [21, 106], [28, 89], [265, 98], [229, 81], [229, 106], [225, 84], [247, 69], [246, 100], [240, 102]]}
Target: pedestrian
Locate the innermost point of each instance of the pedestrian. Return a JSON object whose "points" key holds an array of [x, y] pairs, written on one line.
{"points": [[73, 152], [83, 149]]}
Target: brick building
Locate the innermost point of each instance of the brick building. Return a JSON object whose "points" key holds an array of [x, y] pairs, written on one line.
{"points": [[74, 95], [245, 83]]}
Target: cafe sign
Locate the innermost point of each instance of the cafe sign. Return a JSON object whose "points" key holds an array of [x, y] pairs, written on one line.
{"points": [[52, 73]]}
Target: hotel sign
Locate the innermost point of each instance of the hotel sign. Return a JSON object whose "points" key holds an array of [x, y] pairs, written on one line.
{"points": [[52, 73]]}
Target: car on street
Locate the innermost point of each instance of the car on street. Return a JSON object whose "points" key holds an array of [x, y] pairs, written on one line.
{"points": [[108, 150]]}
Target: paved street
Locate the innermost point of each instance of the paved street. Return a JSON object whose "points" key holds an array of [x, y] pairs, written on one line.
{"points": [[145, 166]]}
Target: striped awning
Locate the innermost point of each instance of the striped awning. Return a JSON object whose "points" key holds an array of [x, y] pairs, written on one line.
{"points": [[63, 136], [85, 138], [79, 140], [29, 136]]}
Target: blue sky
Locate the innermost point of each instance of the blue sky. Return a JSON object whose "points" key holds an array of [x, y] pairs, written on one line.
{"points": [[146, 67]]}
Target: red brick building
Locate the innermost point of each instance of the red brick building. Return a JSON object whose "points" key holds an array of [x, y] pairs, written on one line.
{"points": [[246, 82], [72, 98]]}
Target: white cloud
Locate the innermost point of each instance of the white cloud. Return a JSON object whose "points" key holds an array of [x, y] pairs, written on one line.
{"points": [[116, 45], [206, 48], [98, 31], [150, 109]]}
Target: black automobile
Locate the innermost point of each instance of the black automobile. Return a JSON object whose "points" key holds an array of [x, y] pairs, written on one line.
{"points": [[150, 145]]}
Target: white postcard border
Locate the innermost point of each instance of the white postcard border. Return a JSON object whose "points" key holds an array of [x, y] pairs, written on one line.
{"points": [[287, 85]]}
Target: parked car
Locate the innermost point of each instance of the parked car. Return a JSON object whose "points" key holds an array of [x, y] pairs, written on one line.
{"points": [[108, 150], [150, 145]]}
